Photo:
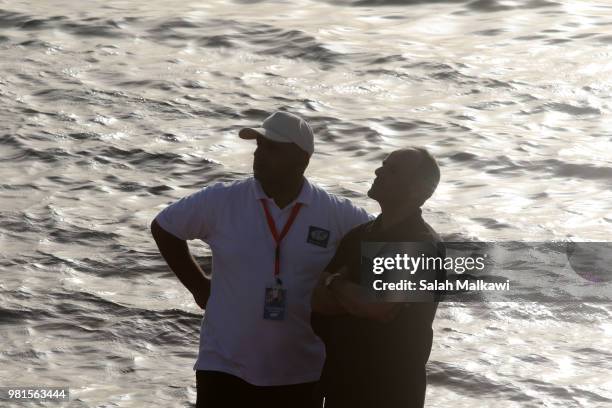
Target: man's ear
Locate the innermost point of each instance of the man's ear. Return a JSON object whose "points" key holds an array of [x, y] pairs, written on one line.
{"points": [[306, 160]]}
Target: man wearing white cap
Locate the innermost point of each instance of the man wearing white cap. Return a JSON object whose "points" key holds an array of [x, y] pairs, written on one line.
{"points": [[270, 235]]}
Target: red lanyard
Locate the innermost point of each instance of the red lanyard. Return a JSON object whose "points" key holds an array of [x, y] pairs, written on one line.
{"points": [[279, 238]]}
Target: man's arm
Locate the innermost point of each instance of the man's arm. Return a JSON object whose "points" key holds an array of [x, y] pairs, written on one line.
{"points": [[176, 253], [323, 301], [352, 299]]}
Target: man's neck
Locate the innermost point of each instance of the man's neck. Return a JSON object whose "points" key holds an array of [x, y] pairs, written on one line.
{"points": [[392, 215], [283, 194]]}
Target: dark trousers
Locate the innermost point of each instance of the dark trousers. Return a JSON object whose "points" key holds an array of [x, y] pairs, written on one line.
{"points": [[375, 395], [216, 389]]}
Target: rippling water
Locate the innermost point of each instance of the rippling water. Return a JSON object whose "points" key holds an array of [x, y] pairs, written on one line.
{"points": [[113, 109]]}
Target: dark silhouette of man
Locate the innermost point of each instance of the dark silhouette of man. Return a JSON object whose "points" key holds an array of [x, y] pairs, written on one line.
{"points": [[377, 350]]}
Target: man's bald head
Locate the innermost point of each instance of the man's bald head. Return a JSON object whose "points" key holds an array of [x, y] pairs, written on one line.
{"points": [[426, 171], [409, 175]]}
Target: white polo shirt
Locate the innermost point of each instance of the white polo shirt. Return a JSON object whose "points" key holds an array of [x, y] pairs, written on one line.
{"points": [[234, 337]]}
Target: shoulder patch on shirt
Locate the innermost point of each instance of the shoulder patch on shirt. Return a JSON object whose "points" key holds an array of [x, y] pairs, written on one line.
{"points": [[318, 236]]}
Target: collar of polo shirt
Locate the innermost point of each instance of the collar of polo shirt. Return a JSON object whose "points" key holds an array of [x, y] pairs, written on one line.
{"points": [[305, 196]]}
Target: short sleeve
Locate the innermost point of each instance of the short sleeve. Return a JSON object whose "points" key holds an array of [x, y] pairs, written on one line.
{"points": [[193, 216]]}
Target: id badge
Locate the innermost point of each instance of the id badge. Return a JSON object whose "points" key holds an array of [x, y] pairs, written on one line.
{"points": [[275, 303]]}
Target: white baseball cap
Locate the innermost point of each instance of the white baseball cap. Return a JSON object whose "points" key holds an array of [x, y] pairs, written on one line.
{"points": [[283, 127]]}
